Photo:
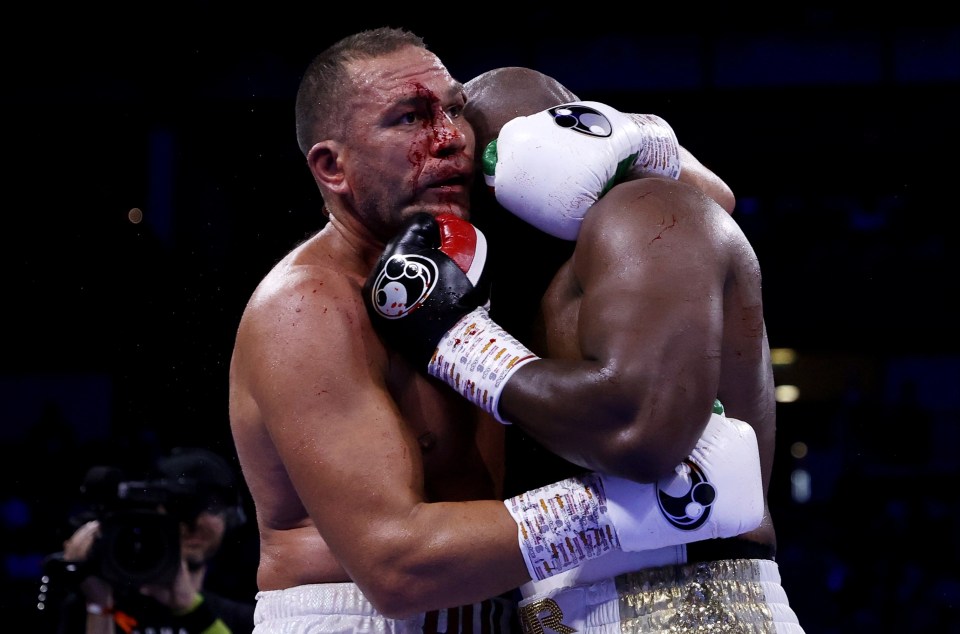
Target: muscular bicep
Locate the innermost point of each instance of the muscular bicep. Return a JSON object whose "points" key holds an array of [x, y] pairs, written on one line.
{"points": [[651, 309], [338, 447], [331, 419], [646, 284], [645, 265]]}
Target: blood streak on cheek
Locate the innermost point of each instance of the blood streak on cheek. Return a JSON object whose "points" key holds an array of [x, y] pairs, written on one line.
{"points": [[418, 159], [417, 154], [440, 131]]}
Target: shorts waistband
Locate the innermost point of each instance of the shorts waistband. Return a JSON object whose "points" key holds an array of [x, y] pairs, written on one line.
{"points": [[493, 616], [617, 563], [724, 595], [730, 595]]}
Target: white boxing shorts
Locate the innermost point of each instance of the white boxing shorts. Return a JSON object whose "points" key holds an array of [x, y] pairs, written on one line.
{"points": [[661, 594], [330, 608]]}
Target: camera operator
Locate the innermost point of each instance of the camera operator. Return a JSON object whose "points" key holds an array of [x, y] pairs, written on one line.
{"points": [[141, 570]]}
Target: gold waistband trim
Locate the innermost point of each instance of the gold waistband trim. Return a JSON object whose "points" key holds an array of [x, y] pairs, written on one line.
{"points": [[728, 596]]}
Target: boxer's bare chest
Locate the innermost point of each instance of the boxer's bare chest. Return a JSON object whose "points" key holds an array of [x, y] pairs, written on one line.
{"points": [[448, 430]]}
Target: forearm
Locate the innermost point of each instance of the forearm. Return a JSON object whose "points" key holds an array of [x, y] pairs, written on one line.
{"points": [[409, 556], [439, 555], [579, 411], [620, 420]]}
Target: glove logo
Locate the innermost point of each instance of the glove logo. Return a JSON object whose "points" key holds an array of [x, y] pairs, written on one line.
{"points": [[686, 498], [403, 284], [582, 119]]}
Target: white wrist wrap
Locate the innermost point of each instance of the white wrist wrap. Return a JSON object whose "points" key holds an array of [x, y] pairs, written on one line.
{"points": [[660, 153], [476, 357], [562, 525]]}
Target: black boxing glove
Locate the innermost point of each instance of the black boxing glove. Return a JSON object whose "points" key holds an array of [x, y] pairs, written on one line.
{"points": [[430, 275], [427, 298]]}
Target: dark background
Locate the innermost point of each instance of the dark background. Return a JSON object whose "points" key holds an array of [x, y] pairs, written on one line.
{"points": [[836, 130]]}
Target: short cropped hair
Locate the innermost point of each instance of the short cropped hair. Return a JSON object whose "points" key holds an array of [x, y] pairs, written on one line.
{"points": [[326, 82]]}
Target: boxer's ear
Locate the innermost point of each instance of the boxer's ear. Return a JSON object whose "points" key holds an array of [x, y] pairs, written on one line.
{"points": [[324, 161]]}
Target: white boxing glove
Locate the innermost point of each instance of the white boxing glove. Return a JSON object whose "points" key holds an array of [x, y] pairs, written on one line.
{"points": [[550, 167], [716, 492]]}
